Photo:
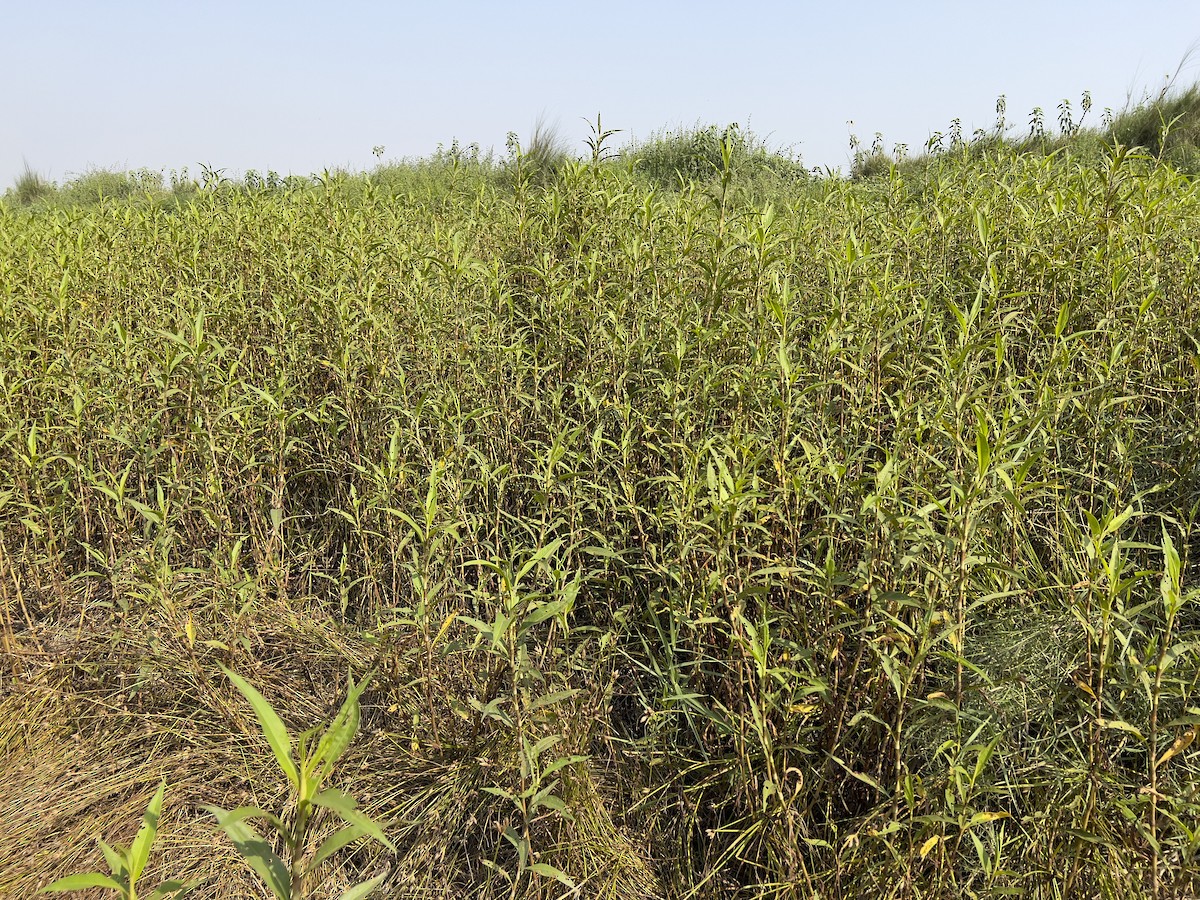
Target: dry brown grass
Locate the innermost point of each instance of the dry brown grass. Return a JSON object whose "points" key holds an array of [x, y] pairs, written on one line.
{"points": [[90, 724]]}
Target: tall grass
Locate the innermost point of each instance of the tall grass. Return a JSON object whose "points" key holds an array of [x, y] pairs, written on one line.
{"points": [[1167, 125], [700, 548], [30, 187]]}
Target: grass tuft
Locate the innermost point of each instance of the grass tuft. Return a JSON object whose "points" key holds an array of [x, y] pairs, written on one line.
{"points": [[30, 187]]}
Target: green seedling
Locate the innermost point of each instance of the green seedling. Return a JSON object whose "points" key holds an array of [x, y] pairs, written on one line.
{"points": [[127, 864], [306, 771]]}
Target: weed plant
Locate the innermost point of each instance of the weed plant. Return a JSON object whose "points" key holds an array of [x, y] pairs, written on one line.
{"points": [[100, 185], [671, 159], [1165, 125], [842, 544]]}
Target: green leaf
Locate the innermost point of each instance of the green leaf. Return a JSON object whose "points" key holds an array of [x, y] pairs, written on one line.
{"points": [[150, 515], [252, 812], [543, 612], [1060, 326], [547, 871], [492, 710], [1118, 725], [118, 861], [542, 554], [361, 890], [484, 628], [272, 726], [982, 818], [79, 882], [336, 842], [139, 850], [1171, 586], [561, 763], [543, 745], [346, 807], [983, 452], [255, 851], [551, 802], [335, 800], [341, 730]]}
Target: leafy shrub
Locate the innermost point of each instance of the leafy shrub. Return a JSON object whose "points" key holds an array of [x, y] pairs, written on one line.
{"points": [[102, 184], [671, 158]]}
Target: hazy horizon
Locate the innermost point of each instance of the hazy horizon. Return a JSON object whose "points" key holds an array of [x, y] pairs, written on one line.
{"points": [[298, 89]]}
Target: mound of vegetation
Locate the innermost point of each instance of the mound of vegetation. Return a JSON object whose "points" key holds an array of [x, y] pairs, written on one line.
{"points": [[97, 186], [844, 545], [1165, 125], [671, 159]]}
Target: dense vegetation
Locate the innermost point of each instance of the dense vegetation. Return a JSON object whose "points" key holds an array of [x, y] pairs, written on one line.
{"points": [[692, 544], [1165, 125]]}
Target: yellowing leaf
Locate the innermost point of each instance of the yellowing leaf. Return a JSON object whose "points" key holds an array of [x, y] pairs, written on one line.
{"points": [[445, 627], [1181, 743], [1085, 687], [930, 844]]}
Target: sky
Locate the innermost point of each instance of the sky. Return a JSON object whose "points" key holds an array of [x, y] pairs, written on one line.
{"points": [[300, 87]]}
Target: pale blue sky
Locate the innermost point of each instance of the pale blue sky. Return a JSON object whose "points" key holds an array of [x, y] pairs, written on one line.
{"points": [[299, 86]]}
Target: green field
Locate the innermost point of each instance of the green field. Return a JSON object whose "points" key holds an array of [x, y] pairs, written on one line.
{"points": [[757, 534]]}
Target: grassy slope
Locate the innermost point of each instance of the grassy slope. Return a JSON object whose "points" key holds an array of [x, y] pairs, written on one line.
{"points": [[1165, 125], [858, 505]]}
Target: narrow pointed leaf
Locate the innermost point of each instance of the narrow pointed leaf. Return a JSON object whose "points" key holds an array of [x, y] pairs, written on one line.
{"points": [[1181, 743], [362, 890], [930, 844], [139, 850], [561, 764], [256, 852], [984, 817], [336, 842], [272, 726], [338, 801], [80, 882], [542, 554], [345, 807], [542, 613], [118, 861], [250, 812], [548, 871], [341, 730]]}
